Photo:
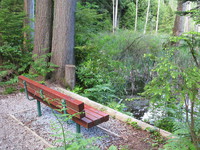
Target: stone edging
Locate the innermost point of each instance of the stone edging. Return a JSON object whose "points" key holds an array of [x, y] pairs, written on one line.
{"points": [[116, 114]]}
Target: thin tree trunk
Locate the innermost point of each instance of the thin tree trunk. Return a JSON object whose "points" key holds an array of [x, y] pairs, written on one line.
{"points": [[43, 27], [192, 127], [28, 21], [187, 18], [113, 15], [116, 13], [63, 37], [147, 17], [1, 60], [29, 7], [158, 13], [136, 15], [179, 21]]}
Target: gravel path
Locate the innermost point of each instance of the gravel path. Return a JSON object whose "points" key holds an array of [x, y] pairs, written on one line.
{"points": [[16, 136]]}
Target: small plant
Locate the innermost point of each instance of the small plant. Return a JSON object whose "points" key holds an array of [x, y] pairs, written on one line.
{"points": [[101, 93], [155, 134], [113, 147], [166, 123], [117, 106], [134, 124], [9, 90], [40, 67], [67, 139]]}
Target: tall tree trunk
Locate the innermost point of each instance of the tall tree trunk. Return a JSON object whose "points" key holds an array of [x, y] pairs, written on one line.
{"points": [[43, 27], [147, 17], [136, 15], [29, 7], [113, 15], [158, 13], [187, 18], [116, 13], [179, 21], [63, 37]]}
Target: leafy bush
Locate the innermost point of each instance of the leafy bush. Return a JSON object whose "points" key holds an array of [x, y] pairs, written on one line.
{"points": [[166, 123], [18, 62], [11, 20], [101, 93], [89, 21], [117, 60], [9, 90], [175, 83]]}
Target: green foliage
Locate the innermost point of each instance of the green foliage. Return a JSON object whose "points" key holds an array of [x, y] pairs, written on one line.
{"points": [[112, 147], [9, 90], [69, 140], [134, 124], [128, 19], [11, 20], [19, 62], [167, 17], [40, 67], [101, 93], [181, 143], [174, 83], [116, 105], [89, 21], [16, 62], [166, 123], [117, 60], [155, 134]]}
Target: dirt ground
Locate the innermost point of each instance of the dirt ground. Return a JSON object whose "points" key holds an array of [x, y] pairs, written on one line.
{"points": [[22, 129]]}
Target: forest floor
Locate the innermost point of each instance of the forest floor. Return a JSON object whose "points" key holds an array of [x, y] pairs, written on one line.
{"points": [[21, 128]]}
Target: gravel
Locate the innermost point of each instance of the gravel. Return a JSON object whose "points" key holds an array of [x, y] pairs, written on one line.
{"points": [[15, 136]]}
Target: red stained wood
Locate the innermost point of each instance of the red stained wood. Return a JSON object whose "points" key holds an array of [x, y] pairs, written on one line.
{"points": [[71, 102], [90, 116], [95, 111]]}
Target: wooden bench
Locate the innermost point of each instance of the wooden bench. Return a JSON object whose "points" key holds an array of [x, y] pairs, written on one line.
{"points": [[84, 115]]}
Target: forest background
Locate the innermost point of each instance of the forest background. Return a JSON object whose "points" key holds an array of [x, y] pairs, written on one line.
{"points": [[123, 50]]}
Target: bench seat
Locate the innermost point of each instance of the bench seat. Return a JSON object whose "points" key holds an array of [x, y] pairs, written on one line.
{"points": [[87, 116]]}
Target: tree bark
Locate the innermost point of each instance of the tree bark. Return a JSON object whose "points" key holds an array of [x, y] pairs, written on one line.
{"points": [[70, 76], [63, 37], [136, 15], [179, 21], [147, 17], [43, 27]]}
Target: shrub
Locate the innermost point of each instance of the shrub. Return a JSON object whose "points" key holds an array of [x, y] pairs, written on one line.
{"points": [[117, 60], [175, 83]]}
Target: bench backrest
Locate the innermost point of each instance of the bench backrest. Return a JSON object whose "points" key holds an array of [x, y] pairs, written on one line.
{"points": [[51, 97]]}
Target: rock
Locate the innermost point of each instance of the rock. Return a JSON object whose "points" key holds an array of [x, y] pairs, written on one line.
{"points": [[137, 107]]}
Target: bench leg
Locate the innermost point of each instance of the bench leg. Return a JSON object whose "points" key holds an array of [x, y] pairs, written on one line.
{"points": [[39, 108], [78, 128]]}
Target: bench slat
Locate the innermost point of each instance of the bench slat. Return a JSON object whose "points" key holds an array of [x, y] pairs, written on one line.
{"points": [[73, 106], [71, 102], [92, 114], [104, 115], [69, 110]]}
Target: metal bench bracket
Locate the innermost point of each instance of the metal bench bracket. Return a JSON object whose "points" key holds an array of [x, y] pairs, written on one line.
{"points": [[26, 91]]}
